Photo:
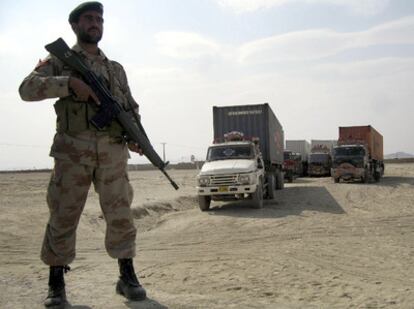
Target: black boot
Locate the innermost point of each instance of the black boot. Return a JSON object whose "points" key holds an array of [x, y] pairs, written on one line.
{"points": [[128, 284], [56, 296]]}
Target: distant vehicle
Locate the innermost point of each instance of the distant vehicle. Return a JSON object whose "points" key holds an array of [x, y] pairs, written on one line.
{"points": [[320, 158], [319, 164], [292, 165], [303, 147], [246, 159], [359, 154]]}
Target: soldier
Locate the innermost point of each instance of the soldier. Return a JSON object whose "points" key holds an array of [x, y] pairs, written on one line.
{"points": [[82, 155]]}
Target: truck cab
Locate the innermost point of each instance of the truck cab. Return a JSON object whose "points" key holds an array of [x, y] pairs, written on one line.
{"points": [[233, 170], [292, 165], [359, 154], [349, 162], [352, 162], [319, 164]]}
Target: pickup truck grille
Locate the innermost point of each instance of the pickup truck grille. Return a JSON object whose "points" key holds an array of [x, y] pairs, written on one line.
{"points": [[223, 180]]}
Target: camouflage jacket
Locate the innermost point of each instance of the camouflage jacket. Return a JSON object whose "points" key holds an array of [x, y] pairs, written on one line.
{"points": [[50, 79]]}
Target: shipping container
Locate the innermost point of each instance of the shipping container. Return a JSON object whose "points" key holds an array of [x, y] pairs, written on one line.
{"points": [[365, 135], [300, 146], [254, 121]]}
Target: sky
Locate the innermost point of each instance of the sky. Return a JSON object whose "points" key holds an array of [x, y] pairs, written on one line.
{"points": [[320, 64]]}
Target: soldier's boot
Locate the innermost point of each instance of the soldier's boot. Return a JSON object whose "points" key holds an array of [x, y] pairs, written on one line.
{"points": [[128, 284], [56, 296]]}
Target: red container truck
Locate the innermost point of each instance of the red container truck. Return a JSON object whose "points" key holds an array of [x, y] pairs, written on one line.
{"points": [[359, 154]]}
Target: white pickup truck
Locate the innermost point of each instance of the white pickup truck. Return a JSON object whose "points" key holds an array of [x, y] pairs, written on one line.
{"points": [[233, 170]]}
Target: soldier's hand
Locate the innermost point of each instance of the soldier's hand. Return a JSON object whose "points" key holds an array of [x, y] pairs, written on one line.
{"points": [[135, 148], [82, 91]]}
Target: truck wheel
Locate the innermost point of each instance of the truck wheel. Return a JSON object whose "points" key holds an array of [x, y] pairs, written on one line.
{"points": [[290, 178], [257, 197], [204, 202], [280, 182], [377, 176], [365, 179], [336, 179], [271, 186]]}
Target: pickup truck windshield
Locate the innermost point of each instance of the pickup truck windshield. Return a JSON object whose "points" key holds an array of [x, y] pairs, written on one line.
{"points": [[355, 151], [230, 152]]}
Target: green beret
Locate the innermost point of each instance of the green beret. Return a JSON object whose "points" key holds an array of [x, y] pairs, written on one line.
{"points": [[83, 7]]}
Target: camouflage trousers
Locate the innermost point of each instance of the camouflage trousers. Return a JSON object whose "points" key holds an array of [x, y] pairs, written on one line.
{"points": [[66, 197]]}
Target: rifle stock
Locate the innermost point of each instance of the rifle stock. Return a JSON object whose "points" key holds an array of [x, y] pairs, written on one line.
{"points": [[109, 108]]}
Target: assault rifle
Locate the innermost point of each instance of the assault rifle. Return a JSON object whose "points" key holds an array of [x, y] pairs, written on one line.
{"points": [[109, 108]]}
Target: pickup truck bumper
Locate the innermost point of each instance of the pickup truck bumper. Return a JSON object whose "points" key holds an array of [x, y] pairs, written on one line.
{"points": [[227, 190]]}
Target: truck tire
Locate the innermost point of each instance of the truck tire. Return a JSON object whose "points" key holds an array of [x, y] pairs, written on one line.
{"points": [[280, 182], [257, 196], [204, 202], [271, 186], [365, 179], [377, 176], [336, 179]]}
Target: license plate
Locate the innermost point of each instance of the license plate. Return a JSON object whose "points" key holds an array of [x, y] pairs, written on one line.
{"points": [[223, 189]]}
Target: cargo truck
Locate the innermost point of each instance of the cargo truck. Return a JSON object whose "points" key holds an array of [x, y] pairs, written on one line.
{"points": [[359, 154], [303, 147], [246, 159], [320, 158], [292, 165]]}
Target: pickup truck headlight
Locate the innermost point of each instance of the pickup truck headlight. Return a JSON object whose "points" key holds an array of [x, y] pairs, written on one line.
{"points": [[245, 179], [203, 181]]}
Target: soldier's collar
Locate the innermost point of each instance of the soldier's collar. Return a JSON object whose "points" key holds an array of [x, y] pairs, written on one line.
{"points": [[77, 48]]}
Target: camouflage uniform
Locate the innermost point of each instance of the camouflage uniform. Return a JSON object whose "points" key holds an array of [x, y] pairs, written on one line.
{"points": [[83, 156]]}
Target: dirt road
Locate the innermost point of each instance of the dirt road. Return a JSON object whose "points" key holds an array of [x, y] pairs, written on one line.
{"points": [[317, 245]]}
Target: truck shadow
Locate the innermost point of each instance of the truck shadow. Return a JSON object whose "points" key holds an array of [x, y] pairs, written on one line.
{"points": [[394, 181], [300, 180], [291, 201]]}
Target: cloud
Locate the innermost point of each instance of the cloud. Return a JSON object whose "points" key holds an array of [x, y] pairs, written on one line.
{"points": [[185, 45], [320, 43], [359, 7], [241, 6], [364, 70], [400, 31], [303, 45]]}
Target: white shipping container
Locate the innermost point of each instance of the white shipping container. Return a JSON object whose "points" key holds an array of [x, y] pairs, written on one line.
{"points": [[301, 146]]}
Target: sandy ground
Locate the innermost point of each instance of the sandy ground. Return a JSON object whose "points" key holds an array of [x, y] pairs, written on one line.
{"points": [[317, 245]]}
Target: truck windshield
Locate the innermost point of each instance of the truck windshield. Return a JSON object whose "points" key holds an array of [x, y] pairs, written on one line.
{"points": [[287, 155], [229, 152], [355, 151], [318, 157]]}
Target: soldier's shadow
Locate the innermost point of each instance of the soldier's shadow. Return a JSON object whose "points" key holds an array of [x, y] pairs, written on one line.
{"points": [[70, 306], [145, 304]]}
